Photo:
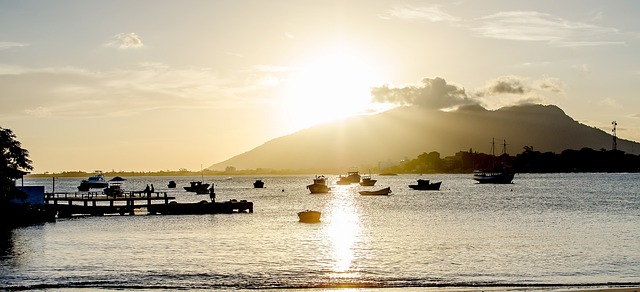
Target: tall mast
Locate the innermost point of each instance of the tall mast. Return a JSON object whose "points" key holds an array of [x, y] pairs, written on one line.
{"points": [[615, 138]]}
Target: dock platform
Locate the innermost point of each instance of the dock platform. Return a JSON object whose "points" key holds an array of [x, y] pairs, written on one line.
{"points": [[98, 204]]}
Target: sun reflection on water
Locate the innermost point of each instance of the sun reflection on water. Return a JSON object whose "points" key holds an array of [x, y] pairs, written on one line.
{"points": [[343, 231]]}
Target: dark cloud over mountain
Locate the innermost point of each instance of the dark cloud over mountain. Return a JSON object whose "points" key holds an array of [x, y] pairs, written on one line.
{"points": [[430, 93]]}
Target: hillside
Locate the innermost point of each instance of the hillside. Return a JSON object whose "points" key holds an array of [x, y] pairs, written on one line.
{"points": [[406, 132]]}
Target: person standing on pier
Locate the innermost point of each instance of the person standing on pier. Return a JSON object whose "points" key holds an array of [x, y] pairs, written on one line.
{"points": [[212, 194], [147, 190], [152, 190]]}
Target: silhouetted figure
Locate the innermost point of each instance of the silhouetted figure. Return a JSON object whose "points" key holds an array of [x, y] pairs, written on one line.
{"points": [[152, 190], [212, 194], [147, 190]]}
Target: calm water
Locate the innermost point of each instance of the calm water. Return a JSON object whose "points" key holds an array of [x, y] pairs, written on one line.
{"points": [[543, 230]]}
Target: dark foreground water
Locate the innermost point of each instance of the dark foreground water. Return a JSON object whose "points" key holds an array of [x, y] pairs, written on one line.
{"points": [[543, 231]]}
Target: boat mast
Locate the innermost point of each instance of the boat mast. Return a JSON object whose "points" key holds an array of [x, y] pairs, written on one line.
{"points": [[504, 154], [615, 138]]}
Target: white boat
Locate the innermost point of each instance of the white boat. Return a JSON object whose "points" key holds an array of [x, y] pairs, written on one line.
{"points": [[309, 216], [95, 181]]}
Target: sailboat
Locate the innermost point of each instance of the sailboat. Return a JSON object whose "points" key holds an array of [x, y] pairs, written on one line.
{"points": [[495, 175]]}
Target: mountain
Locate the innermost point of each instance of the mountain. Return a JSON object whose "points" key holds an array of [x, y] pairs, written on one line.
{"points": [[407, 132]]}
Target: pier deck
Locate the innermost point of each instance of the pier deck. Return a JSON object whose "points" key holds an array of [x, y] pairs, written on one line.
{"points": [[98, 204]]}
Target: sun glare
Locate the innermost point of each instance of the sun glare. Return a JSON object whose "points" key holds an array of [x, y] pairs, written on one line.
{"points": [[329, 87]]}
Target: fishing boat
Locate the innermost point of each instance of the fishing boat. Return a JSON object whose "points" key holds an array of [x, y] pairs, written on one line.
{"points": [[258, 184], [319, 185], [426, 185], [496, 174], [198, 187], [309, 216], [95, 181], [352, 177], [172, 184], [381, 192], [367, 181]]}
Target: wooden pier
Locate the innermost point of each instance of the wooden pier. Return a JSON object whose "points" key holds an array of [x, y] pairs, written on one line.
{"points": [[99, 204]]}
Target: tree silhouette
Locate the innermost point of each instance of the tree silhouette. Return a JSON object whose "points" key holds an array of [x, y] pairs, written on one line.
{"points": [[15, 163]]}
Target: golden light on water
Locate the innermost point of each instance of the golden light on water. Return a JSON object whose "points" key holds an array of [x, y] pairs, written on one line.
{"points": [[343, 231]]}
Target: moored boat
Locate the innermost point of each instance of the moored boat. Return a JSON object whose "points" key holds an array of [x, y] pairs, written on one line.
{"points": [[95, 181], [495, 175], [309, 216], [319, 185], [367, 181], [197, 187], [258, 184], [352, 177], [381, 192], [426, 185]]}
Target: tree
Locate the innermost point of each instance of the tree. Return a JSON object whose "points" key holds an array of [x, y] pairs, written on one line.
{"points": [[14, 164]]}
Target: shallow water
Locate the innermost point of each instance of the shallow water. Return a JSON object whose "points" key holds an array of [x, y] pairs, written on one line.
{"points": [[544, 230]]}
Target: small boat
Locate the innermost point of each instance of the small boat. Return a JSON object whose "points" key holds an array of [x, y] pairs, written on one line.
{"points": [[172, 184], [115, 187], [367, 181], [95, 181], [258, 184], [352, 177], [425, 185], [495, 175], [319, 185], [381, 192], [114, 190], [309, 216], [197, 187]]}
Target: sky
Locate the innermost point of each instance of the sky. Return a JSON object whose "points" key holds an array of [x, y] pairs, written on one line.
{"points": [[167, 85]]}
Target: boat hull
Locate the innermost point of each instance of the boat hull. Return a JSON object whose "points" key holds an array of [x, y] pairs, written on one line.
{"points": [[494, 178], [427, 187], [318, 188], [382, 192], [309, 216]]}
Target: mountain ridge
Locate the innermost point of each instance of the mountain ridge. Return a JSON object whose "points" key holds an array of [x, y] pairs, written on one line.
{"points": [[405, 132]]}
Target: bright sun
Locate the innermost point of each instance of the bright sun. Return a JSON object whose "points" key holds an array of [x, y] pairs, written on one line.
{"points": [[329, 87]]}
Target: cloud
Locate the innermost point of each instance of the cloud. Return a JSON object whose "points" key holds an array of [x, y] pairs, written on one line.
{"points": [[610, 102], [516, 90], [125, 41], [427, 13], [518, 26], [9, 45], [517, 85], [75, 92], [505, 85], [553, 85], [430, 93], [537, 26]]}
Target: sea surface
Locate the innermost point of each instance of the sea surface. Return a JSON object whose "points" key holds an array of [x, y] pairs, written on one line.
{"points": [[544, 231]]}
